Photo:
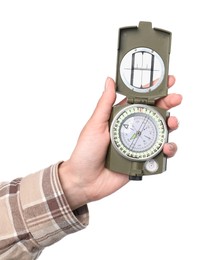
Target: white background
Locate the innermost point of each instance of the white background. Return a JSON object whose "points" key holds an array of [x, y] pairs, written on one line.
{"points": [[54, 59]]}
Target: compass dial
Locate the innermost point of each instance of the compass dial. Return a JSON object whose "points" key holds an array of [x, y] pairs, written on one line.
{"points": [[138, 132], [142, 70]]}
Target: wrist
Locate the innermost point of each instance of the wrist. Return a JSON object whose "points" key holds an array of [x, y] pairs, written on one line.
{"points": [[71, 188]]}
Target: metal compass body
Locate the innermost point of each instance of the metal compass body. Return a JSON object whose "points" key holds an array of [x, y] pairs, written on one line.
{"points": [[138, 129]]}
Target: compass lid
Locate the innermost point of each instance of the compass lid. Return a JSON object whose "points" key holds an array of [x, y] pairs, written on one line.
{"points": [[142, 62]]}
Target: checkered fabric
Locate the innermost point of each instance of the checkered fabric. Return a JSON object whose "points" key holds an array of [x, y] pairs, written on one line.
{"points": [[34, 214]]}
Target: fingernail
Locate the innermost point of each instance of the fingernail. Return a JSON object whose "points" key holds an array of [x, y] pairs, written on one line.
{"points": [[107, 82], [171, 147], [178, 123]]}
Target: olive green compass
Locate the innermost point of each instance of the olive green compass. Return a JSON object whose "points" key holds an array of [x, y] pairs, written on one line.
{"points": [[138, 129]]}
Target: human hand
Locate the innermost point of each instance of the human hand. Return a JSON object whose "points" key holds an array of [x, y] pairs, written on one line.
{"points": [[83, 176]]}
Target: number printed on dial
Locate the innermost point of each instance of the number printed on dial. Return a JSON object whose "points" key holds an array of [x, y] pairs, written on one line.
{"points": [[138, 132]]}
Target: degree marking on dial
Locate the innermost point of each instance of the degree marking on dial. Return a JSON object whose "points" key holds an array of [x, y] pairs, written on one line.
{"points": [[126, 140]]}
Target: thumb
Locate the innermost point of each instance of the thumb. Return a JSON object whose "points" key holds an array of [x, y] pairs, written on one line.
{"points": [[104, 106]]}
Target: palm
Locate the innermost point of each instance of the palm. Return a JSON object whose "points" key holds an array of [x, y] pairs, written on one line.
{"points": [[95, 139], [88, 158]]}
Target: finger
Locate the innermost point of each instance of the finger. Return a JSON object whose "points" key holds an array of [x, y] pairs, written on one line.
{"points": [[173, 123], [171, 81], [170, 149], [171, 100], [104, 106]]}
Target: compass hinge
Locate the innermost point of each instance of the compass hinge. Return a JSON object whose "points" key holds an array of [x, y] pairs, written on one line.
{"points": [[138, 100]]}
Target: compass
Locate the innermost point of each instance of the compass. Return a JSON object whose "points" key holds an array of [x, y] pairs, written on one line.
{"points": [[138, 132], [138, 129]]}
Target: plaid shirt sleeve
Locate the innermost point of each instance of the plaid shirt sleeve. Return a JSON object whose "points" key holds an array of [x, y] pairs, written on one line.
{"points": [[34, 214]]}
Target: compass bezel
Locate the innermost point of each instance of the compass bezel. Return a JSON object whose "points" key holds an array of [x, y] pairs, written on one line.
{"points": [[154, 116]]}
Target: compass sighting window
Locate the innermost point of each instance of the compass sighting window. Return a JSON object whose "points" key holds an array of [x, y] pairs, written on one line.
{"points": [[142, 70]]}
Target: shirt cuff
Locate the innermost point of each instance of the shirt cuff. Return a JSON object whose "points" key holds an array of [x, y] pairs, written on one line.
{"points": [[46, 211]]}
